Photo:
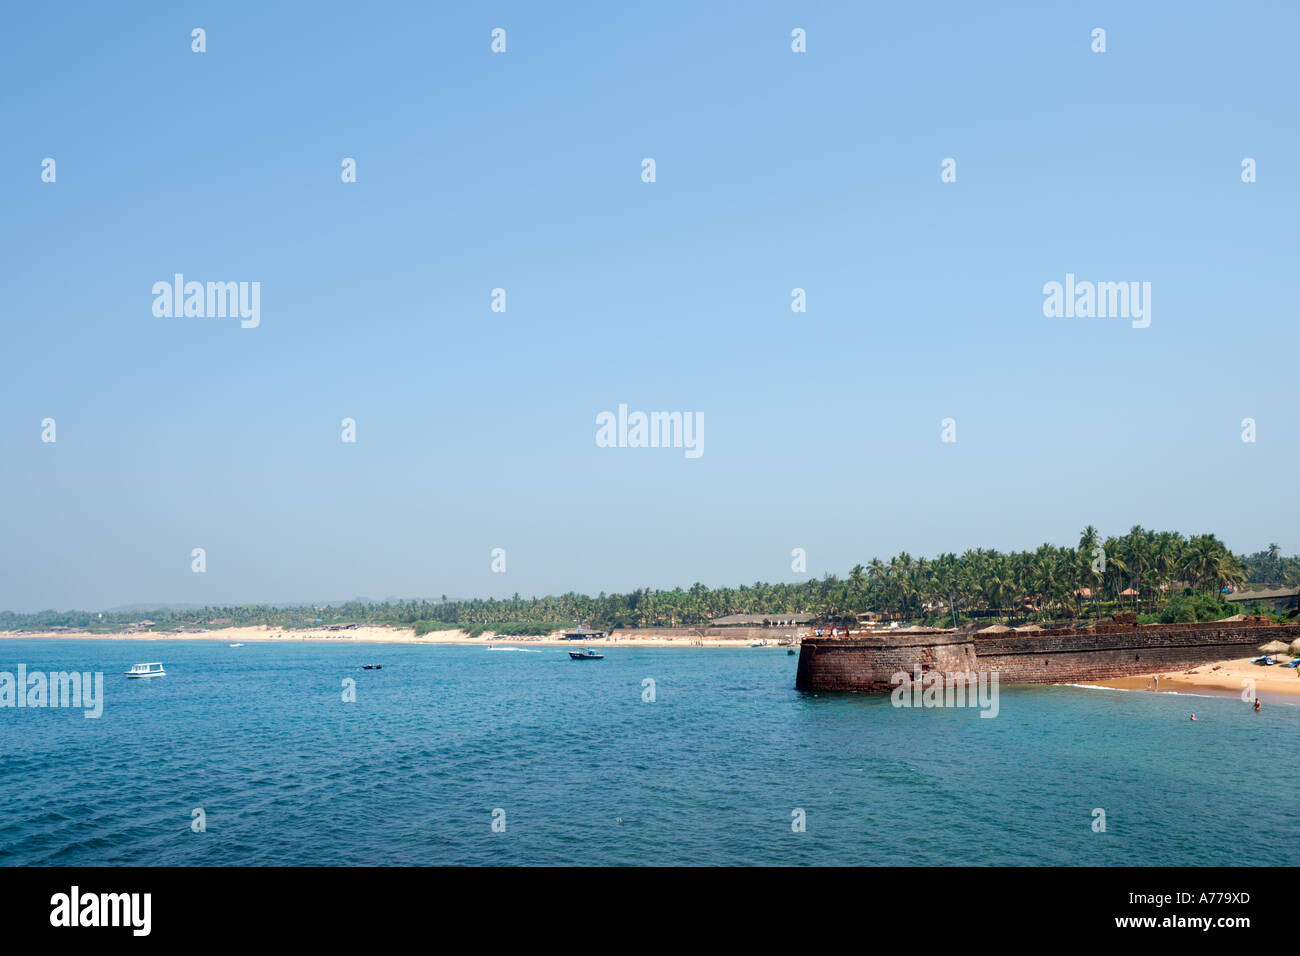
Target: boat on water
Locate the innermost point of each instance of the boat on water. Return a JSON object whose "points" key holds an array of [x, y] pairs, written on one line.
{"points": [[236, 645], [586, 654], [791, 651], [146, 670]]}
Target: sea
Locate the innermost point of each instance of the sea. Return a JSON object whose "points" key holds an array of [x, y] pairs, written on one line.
{"points": [[461, 755]]}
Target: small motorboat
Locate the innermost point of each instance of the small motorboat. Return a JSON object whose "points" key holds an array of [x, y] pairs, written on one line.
{"points": [[372, 667], [146, 670], [237, 645], [586, 654]]}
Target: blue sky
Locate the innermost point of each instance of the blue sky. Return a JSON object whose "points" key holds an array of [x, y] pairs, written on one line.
{"points": [[775, 170]]}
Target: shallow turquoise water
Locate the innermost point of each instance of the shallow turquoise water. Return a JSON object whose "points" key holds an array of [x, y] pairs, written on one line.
{"points": [[588, 773]]}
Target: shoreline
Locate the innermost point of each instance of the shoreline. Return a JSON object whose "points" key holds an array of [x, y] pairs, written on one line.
{"points": [[1222, 679], [379, 634]]}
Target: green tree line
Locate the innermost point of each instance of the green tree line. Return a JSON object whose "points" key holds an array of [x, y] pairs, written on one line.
{"points": [[1141, 570]]}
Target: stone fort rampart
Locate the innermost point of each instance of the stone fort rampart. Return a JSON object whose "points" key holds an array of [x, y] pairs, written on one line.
{"points": [[868, 662]]}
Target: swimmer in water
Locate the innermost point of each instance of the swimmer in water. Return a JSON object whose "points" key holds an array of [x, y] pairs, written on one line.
{"points": [[1257, 705], [1193, 716]]}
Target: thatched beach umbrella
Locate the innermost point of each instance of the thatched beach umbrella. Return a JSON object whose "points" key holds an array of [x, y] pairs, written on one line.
{"points": [[1275, 647], [1295, 647]]}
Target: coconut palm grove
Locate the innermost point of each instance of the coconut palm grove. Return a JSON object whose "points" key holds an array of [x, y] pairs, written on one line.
{"points": [[1163, 576]]}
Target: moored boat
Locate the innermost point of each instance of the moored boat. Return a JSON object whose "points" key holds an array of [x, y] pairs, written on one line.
{"points": [[586, 654], [154, 669]]}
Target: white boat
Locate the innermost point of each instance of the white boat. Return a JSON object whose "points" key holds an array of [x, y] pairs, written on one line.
{"points": [[236, 645], [146, 670]]}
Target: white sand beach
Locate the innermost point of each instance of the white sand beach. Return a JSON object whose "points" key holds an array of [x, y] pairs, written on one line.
{"points": [[374, 634]]}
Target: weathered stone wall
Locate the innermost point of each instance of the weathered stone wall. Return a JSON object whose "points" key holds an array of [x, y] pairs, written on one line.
{"points": [[868, 663], [1116, 652]]}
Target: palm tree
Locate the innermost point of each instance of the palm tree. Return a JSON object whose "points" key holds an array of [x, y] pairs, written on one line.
{"points": [[1207, 562], [857, 583], [1116, 568]]}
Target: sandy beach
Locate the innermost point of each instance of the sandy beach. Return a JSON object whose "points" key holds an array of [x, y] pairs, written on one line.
{"points": [[1226, 679], [377, 635]]}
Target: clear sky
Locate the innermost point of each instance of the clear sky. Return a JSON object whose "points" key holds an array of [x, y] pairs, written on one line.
{"points": [[523, 171]]}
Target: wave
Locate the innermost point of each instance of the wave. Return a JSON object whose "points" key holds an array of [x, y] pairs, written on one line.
{"points": [[1141, 690], [1223, 695]]}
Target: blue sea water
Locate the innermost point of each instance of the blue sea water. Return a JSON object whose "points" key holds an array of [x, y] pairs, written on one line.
{"points": [[587, 772]]}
